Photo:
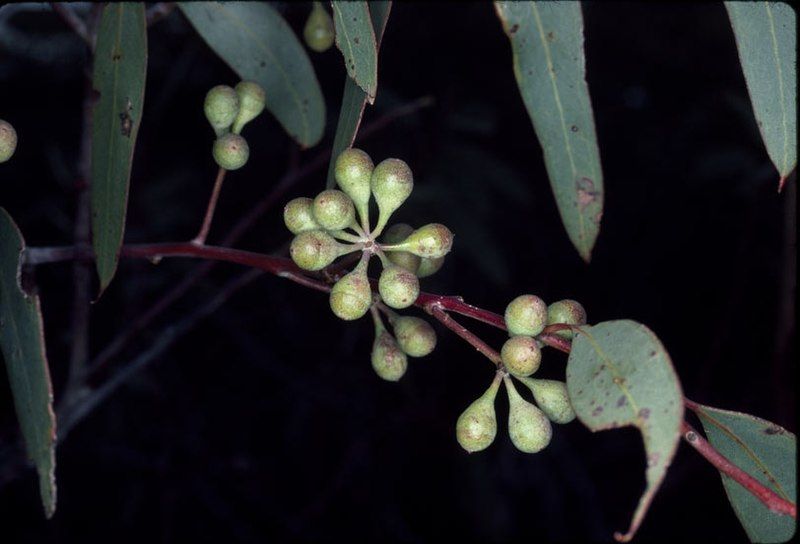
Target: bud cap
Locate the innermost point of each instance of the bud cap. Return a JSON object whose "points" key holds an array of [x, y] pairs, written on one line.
{"points": [[552, 398], [231, 151], [527, 315], [252, 100], [521, 355], [528, 427], [298, 215], [351, 296], [8, 140], [314, 249], [476, 427], [398, 287], [221, 108], [334, 210], [415, 336]]}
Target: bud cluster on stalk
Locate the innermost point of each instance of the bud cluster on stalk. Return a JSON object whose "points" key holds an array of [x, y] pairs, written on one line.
{"points": [[228, 110], [529, 423]]}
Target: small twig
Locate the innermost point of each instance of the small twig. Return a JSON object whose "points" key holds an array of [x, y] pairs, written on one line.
{"points": [[445, 319], [200, 239], [74, 22], [158, 11], [768, 497]]}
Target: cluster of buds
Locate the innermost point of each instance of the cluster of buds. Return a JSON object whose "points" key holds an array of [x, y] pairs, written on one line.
{"points": [[229, 110]]}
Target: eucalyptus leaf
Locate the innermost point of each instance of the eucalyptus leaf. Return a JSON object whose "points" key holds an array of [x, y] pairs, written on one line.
{"points": [[549, 65], [619, 375], [356, 39]]}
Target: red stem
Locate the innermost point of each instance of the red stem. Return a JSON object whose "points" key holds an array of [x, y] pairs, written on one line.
{"points": [[444, 318], [200, 239]]}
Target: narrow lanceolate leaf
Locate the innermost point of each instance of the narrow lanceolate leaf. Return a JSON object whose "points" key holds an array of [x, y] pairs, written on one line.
{"points": [[257, 43], [766, 37], [766, 452], [354, 98], [619, 375], [355, 38], [549, 64], [22, 345], [120, 65]]}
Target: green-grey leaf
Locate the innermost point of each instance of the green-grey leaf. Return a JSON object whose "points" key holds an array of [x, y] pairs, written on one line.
{"points": [[22, 345], [257, 43], [619, 374], [549, 65], [766, 452], [766, 37], [355, 38], [120, 66], [354, 98]]}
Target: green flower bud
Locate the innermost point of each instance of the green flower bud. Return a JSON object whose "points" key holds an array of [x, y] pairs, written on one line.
{"points": [[353, 172], [8, 140], [314, 249], [477, 425], [528, 427], [552, 398], [398, 287], [318, 31], [521, 355], [431, 241], [526, 315], [566, 311], [334, 210], [415, 336], [298, 215], [351, 296], [231, 151], [428, 266], [392, 183], [395, 234], [252, 100], [221, 108], [388, 360]]}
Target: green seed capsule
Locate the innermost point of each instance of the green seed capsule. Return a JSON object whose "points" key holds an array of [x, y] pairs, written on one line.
{"points": [[429, 266], [353, 172], [334, 210], [415, 336], [526, 315], [398, 287], [552, 398], [521, 355], [351, 296], [318, 31], [252, 100], [314, 249], [298, 215], [392, 183], [477, 425], [431, 241], [221, 108], [395, 234], [566, 311], [231, 151], [388, 360], [8, 140], [528, 427]]}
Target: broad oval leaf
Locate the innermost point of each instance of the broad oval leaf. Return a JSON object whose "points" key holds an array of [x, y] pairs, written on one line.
{"points": [[257, 43], [549, 65], [618, 375], [355, 38], [120, 66], [354, 98], [766, 37], [22, 345], [766, 452]]}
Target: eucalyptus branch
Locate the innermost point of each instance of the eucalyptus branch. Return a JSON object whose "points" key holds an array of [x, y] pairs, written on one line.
{"points": [[72, 20]]}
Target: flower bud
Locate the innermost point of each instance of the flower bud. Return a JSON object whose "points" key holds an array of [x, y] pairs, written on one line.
{"points": [[392, 183], [351, 296], [431, 241], [528, 427], [221, 108], [566, 311], [398, 287], [415, 336], [526, 315], [298, 215], [388, 360], [353, 172], [395, 234], [428, 266], [8, 140], [334, 210], [252, 100], [231, 151], [318, 31], [552, 398], [521, 355], [314, 249], [477, 425]]}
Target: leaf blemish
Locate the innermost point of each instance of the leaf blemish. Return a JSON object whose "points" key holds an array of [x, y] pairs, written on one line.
{"points": [[586, 192], [774, 430], [513, 29], [597, 411], [621, 401], [644, 413]]}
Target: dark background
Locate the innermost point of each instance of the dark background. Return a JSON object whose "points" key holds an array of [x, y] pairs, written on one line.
{"points": [[266, 422]]}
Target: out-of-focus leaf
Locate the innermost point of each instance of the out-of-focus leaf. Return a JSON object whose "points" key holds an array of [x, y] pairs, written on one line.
{"points": [[766, 37], [120, 66], [22, 344], [356, 39], [549, 65], [257, 43], [618, 375], [766, 452], [354, 98]]}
